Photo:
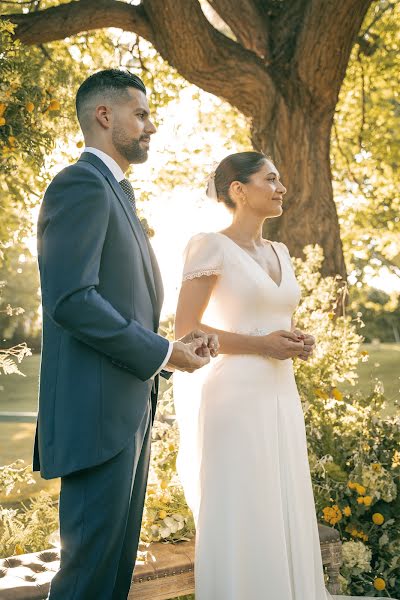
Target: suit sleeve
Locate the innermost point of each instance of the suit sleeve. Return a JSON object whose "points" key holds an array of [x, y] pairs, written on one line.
{"points": [[71, 232]]}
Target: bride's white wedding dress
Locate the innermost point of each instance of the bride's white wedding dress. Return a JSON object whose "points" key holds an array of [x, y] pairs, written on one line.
{"points": [[243, 454]]}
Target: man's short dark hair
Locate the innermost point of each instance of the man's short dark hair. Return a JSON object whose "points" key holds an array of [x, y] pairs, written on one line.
{"points": [[112, 83]]}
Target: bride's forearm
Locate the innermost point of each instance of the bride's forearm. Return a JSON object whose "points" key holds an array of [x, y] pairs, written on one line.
{"points": [[237, 343]]}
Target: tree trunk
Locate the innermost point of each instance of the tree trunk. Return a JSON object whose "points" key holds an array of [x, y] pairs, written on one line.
{"points": [[298, 141]]}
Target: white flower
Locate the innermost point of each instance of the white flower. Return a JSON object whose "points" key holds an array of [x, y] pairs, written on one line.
{"points": [[356, 555], [171, 524], [179, 517], [165, 532]]}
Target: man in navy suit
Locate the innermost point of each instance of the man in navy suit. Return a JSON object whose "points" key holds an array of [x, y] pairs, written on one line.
{"points": [[101, 353]]}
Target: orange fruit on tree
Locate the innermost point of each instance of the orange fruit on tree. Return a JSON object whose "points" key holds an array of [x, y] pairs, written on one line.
{"points": [[54, 105]]}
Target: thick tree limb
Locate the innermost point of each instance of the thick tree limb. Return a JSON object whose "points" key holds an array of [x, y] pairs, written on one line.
{"points": [[206, 57], [59, 22], [247, 24]]}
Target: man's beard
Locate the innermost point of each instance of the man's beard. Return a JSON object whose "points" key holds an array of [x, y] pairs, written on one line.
{"points": [[130, 149]]}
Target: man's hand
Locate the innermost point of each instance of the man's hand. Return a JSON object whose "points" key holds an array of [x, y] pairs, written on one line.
{"points": [[309, 344], [210, 345], [186, 357]]}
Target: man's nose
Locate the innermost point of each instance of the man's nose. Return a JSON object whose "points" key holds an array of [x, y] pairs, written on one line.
{"points": [[151, 128]]}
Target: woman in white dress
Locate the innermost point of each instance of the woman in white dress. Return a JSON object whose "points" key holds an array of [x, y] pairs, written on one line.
{"points": [[243, 455]]}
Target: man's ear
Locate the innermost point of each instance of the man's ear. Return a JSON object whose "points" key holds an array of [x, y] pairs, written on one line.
{"points": [[103, 116]]}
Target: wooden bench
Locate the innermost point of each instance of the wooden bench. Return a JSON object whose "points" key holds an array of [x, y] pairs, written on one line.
{"points": [[164, 572]]}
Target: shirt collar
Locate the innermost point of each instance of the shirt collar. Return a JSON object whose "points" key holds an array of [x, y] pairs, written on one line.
{"points": [[108, 161]]}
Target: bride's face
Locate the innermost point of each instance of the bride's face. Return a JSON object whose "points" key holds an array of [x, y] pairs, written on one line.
{"points": [[264, 192]]}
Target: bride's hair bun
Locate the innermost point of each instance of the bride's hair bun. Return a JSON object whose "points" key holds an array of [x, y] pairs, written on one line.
{"points": [[235, 167]]}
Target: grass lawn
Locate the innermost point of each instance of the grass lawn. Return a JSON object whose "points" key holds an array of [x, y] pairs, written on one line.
{"points": [[20, 394], [383, 365]]}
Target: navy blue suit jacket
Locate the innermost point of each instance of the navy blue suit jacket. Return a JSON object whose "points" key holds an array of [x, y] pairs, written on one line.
{"points": [[101, 298]]}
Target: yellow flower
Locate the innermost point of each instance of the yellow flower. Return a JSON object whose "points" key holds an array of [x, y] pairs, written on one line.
{"points": [[162, 514], [378, 519], [365, 537], [351, 485], [332, 515], [12, 140], [364, 353], [164, 498], [54, 105], [171, 447], [164, 484], [2, 121], [347, 511], [376, 466], [360, 489], [29, 106], [18, 549], [321, 394], [331, 315], [2, 108], [79, 144], [379, 584], [367, 500], [360, 500], [337, 394]]}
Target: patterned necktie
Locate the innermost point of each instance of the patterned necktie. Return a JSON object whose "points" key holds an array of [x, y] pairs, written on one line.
{"points": [[128, 189]]}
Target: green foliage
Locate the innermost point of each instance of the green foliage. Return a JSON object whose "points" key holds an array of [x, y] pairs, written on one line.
{"points": [[28, 529], [20, 273], [365, 148], [380, 313], [28, 104], [9, 357]]}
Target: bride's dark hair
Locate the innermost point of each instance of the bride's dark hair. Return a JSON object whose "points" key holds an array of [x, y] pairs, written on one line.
{"points": [[236, 167]]}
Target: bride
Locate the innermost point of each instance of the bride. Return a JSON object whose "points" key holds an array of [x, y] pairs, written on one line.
{"points": [[243, 455]]}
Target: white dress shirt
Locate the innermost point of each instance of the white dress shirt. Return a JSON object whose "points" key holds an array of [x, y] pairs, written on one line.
{"points": [[119, 176]]}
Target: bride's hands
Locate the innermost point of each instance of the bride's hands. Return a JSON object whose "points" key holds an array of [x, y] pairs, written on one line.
{"points": [[309, 344], [282, 345]]}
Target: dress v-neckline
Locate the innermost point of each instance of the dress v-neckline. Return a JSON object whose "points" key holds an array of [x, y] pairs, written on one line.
{"points": [[258, 264]]}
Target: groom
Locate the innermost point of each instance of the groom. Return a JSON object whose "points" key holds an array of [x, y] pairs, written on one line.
{"points": [[101, 354]]}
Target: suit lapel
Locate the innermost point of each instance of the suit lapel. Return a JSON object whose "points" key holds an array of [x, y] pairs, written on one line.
{"points": [[145, 248]]}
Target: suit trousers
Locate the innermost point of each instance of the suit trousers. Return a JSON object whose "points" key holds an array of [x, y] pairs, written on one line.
{"points": [[101, 512]]}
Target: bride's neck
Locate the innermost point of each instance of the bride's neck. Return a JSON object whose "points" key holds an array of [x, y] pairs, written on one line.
{"points": [[247, 229]]}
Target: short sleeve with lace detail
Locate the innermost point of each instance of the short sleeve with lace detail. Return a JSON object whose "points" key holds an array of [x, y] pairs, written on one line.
{"points": [[203, 256]]}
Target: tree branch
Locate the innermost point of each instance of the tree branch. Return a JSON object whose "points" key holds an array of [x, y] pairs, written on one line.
{"points": [[324, 45], [247, 23], [207, 58], [64, 20]]}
